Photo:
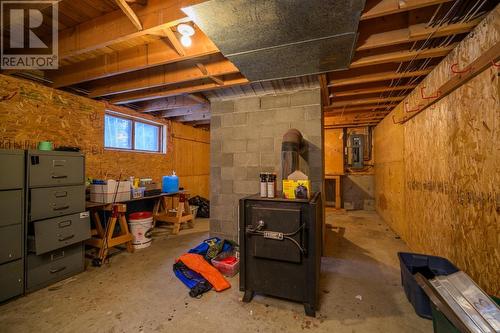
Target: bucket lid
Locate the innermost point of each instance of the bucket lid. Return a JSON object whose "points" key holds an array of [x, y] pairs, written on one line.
{"points": [[140, 215]]}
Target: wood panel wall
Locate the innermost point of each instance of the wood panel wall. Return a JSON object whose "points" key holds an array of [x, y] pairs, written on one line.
{"points": [[30, 113], [334, 151], [438, 175]]}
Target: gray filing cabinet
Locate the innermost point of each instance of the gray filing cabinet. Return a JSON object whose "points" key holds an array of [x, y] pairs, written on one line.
{"points": [[12, 182], [57, 221]]}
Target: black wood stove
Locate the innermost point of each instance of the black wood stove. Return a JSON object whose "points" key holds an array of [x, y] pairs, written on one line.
{"points": [[280, 247]]}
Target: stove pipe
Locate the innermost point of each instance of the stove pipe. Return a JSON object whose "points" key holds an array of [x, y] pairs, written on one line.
{"points": [[290, 152]]}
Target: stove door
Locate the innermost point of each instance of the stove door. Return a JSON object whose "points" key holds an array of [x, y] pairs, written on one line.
{"points": [[283, 234]]}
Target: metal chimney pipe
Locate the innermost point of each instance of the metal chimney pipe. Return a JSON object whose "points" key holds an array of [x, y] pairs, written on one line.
{"points": [[290, 152]]}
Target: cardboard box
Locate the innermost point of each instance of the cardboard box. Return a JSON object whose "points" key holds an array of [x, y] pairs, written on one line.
{"points": [[106, 193], [296, 189]]}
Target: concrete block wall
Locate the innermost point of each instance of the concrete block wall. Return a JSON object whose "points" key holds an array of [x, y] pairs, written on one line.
{"points": [[245, 139]]}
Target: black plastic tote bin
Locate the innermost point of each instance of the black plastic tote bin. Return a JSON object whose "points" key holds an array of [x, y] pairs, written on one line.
{"points": [[428, 266]]}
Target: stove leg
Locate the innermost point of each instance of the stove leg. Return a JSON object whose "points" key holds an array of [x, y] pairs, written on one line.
{"points": [[309, 309], [248, 296]]}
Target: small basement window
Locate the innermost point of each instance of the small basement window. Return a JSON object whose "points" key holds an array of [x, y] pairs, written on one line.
{"points": [[132, 134]]}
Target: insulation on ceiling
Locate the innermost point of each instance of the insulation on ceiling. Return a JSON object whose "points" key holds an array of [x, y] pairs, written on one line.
{"points": [[271, 39]]}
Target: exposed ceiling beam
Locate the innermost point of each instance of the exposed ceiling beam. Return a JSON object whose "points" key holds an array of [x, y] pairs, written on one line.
{"points": [[184, 111], [168, 103], [352, 125], [400, 56], [198, 98], [161, 76], [156, 93], [377, 8], [204, 70], [135, 58], [114, 27], [139, 2], [323, 83], [371, 90], [364, 108], [382, 76], [413, 33], [194, 117], [129, 12], [367, 101], [172, 38]]}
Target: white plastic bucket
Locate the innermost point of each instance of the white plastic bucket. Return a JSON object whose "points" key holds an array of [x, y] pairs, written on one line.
{"points": [[140, 225]]}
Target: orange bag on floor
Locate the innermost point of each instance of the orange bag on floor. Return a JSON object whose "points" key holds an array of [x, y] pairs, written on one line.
{"points": [[198, 264]]}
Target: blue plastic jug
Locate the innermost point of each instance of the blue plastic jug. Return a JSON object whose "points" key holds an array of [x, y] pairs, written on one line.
{"points": [[170, 183]]}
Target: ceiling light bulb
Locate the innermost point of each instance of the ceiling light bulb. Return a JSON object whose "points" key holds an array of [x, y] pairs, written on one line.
{"points": [[185, 29], [186, 41]]}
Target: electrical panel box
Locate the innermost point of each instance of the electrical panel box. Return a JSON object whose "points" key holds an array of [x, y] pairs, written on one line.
{"points": [[357, 151]]}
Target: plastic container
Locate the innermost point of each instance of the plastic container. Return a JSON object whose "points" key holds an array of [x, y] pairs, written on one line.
{"points": [[141, 227], [428, 266], [105, 193], [170, 184], [227, 263], [441, 324], [137, 192], [45, 145]]}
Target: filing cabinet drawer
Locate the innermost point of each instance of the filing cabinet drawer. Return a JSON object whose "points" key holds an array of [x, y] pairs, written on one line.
{"points": [[55, 169], [11, 169], [56, 201], [11, 207], [11, 280], [11, 243], [59, 232], [54, 266]]}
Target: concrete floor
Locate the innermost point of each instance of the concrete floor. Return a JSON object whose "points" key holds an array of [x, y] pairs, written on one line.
{"points": [[360, 292]]}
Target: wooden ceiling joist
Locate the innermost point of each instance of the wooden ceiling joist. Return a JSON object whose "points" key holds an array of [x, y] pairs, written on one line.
{"points": [[400, 56], [129, 12], [156, 93], [413, 33], [371, 90], [197, 97], [161, 76], [111, 28], [176, 44], [132, 59], [168, 103], [194, 117], [378, 8], [382, 76], [366, 101], [323, 82], [184, 111], [364, 108]]}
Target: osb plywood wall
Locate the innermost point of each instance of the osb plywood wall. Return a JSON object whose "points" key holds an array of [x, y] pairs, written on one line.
{"points": [[30, 113], [438, 175], [334, 151]]}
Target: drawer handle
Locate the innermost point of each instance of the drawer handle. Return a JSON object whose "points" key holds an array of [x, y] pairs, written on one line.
{"points": [[59, 177], [54, 257], [57, 163], [57, 270], [60, 208], [66, 238], [61, 194], [65, 224]]}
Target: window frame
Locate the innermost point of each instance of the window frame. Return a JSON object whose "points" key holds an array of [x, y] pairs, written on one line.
{"points": [[162, 129]]}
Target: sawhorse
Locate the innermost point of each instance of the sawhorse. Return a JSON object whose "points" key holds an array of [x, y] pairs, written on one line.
{"points": [[104, 238]]}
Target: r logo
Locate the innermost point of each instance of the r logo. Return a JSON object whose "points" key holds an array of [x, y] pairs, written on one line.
{"points": [[29, 38]]}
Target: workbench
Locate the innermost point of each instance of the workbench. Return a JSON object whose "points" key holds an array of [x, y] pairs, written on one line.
{"points": [[104, 238]]}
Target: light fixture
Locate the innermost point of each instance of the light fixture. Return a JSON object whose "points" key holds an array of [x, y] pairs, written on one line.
{"points": [[186, 41], [185, 29]]}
